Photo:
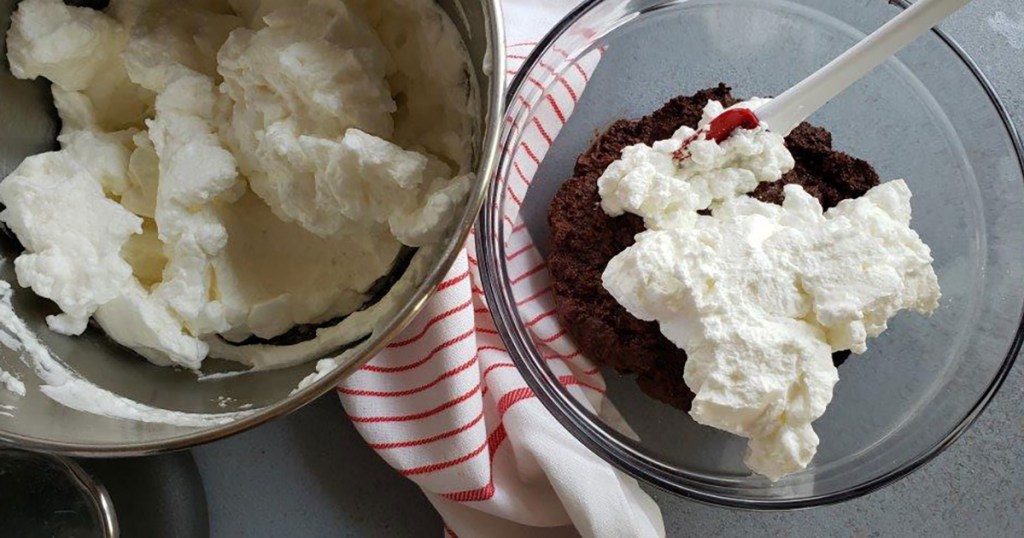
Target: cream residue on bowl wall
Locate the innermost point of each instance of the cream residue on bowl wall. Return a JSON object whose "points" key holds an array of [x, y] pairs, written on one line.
{"points": [[67, 388]]}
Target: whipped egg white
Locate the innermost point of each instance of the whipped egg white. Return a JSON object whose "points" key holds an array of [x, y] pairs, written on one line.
{"points": [[760, 295], [650, 182], [231, 169]]}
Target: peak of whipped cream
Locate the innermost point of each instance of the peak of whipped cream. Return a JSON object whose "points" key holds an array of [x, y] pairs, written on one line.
{"points": [[667, 192], [760, 295]]}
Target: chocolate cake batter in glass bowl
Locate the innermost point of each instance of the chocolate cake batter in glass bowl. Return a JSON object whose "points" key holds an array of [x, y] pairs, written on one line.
{"points": [[584, 238]]}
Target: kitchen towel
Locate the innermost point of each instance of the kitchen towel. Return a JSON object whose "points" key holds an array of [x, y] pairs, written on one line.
{"points": [[445, 406]]}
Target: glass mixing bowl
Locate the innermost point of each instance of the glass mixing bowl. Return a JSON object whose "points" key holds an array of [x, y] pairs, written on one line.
{"points": [[928, 116]]}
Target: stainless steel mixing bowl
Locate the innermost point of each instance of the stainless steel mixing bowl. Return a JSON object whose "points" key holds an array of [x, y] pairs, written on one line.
{"points": [[28, 125]]}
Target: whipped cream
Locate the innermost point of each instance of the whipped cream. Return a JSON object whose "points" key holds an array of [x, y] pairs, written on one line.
{"points": [[759, 295], [322, 158], [667, 192], [71, 231], [12, 384], [232, 171]]}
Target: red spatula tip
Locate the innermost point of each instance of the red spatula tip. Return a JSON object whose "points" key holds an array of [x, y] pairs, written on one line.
{"points": [[721, 128], [735, 118]]}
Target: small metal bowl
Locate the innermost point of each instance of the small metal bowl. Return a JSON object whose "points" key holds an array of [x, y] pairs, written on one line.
{"points": [[28, 125], [53, 496]]}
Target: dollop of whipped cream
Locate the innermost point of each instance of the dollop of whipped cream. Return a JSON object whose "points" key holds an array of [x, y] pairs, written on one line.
{"points": [[231, 169], [760, 295], [323, 158], [667, 192]]}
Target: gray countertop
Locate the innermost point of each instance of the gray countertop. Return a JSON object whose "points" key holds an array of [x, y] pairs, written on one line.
{"points": [[311, 475]]}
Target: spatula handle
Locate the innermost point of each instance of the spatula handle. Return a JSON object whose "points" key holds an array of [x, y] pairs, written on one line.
{"points": [[796, 104]]}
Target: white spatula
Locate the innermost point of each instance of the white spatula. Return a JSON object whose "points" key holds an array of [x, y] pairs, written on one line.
{"points": [[796, 104]]}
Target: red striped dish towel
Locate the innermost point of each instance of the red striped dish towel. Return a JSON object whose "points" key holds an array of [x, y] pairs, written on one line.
{"points": [[446, 407]]}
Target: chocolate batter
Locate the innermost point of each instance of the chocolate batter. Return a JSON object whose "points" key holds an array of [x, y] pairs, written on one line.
{"points": [[584, 239]]}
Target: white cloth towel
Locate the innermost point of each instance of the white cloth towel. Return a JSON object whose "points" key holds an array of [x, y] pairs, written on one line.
{"points": [[446, 407]]}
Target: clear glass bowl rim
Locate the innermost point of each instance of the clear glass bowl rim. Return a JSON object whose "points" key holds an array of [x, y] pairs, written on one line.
{"points": [[566, 410]]}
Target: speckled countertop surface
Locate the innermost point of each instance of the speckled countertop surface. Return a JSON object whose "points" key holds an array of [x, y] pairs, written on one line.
{"points": [[310, 475]]}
